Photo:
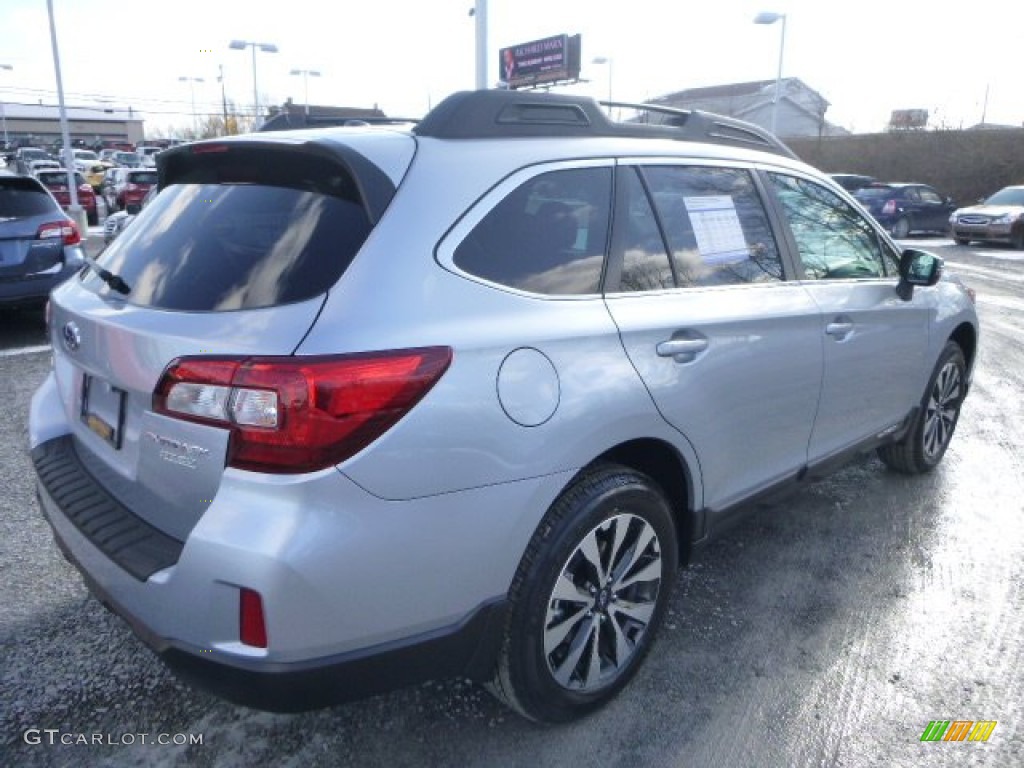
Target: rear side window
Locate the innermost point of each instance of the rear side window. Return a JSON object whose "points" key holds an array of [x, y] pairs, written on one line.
{"points": [[548, 236], [713, 224], [242, 230], [23, 197]]}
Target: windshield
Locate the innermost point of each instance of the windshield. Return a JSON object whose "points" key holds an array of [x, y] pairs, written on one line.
{"points": [[1008, 196]]}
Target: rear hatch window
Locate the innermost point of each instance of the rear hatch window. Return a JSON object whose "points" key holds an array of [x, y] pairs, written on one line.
{"points": [[146, 177], [239, 227], [20, 198]]}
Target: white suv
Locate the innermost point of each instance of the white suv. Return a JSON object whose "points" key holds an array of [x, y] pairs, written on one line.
{"points": [[349, 408]]}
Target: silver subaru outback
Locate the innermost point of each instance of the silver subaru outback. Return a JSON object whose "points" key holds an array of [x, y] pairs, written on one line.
{"points": [[346, 409]]}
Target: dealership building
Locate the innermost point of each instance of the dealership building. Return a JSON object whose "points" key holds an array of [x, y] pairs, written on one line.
{"points": [[39, 126]]}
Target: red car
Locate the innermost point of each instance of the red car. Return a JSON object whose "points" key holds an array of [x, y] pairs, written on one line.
{"points": [[124, 188], [57, 183]]}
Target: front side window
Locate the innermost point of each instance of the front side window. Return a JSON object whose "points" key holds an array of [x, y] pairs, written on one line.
{"points": [[548, 236], [833, 240], [715, 225]]}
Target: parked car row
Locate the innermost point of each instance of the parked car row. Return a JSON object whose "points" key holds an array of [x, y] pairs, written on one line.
{"points": [[907, 208]]}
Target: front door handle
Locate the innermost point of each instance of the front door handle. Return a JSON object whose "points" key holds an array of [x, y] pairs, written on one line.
{"points": [[681, 348]]}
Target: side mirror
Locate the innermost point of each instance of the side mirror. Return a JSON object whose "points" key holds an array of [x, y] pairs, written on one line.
{"points": [[917, 268]]}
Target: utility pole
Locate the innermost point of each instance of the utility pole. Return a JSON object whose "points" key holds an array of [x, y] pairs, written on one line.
{"points": [[223, 96]]}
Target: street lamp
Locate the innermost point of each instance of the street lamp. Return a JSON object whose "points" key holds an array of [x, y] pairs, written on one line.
{"points": [[306, 74], [3, 109], [192, 88], [770, 18], [606, 60], [241, 45], [75, 209]]}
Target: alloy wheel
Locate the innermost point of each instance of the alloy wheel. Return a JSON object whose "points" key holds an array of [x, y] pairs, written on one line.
{"points": [[602, 603], [942, 409]]}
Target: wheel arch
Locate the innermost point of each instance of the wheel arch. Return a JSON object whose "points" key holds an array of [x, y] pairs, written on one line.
{"points": [[967, 337], [662, 463]]}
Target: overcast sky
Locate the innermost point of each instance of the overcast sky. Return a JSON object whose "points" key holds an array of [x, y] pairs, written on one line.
{"points": [[866, 58]]}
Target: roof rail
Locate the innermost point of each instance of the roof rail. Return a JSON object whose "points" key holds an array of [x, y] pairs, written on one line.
{"points": [[489, 114]]}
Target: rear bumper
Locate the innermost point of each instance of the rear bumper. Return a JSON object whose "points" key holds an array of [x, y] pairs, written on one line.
{"points": [[34, 289], [468, 648], [361, 595]]}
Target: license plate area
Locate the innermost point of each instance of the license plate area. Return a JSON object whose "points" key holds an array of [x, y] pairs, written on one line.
{"points": [[103, 409]]}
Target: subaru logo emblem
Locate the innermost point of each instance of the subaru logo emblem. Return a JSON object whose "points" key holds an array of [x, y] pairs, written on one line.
{"points": [[72, 337]]}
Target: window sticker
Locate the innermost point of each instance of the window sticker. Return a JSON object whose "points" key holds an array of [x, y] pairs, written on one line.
{"points": [[716, 226]]}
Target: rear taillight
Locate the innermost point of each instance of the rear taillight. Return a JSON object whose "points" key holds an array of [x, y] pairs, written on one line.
{"points": [[889, 208], [294, 414], [64, 229], [84, 188]]}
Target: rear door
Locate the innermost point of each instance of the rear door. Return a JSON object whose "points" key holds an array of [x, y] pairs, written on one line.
{"points": [[730, 352]]}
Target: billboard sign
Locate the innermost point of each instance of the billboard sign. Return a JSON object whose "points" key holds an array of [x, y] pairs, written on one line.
{"points": [[540, 61], [908, 118]]}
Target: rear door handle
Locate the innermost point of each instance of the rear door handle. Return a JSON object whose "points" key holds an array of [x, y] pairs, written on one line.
{"points": [[682, 350], [839, 330]]}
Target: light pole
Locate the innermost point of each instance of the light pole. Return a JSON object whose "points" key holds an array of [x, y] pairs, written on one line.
{"points": [[3, 109], [192, 89], [606, 60], [306, 74], [770, 18], [241, 45], [74, 209], [223, 98], [479, 14]]}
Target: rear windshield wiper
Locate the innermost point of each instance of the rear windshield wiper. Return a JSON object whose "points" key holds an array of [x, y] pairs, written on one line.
{"points": [[114, 281]]}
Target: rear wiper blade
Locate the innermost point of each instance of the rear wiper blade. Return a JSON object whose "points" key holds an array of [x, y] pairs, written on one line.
{"points": [[114, 281]]}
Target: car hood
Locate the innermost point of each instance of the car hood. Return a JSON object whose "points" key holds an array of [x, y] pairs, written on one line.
{"points": [[990, 210]]}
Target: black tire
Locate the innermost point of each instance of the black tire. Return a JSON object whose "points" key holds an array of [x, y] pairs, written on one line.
{"points": [[924, 445], [1017, 238], [961, 240], [562, 603], [93, 217], [901, 228]]}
